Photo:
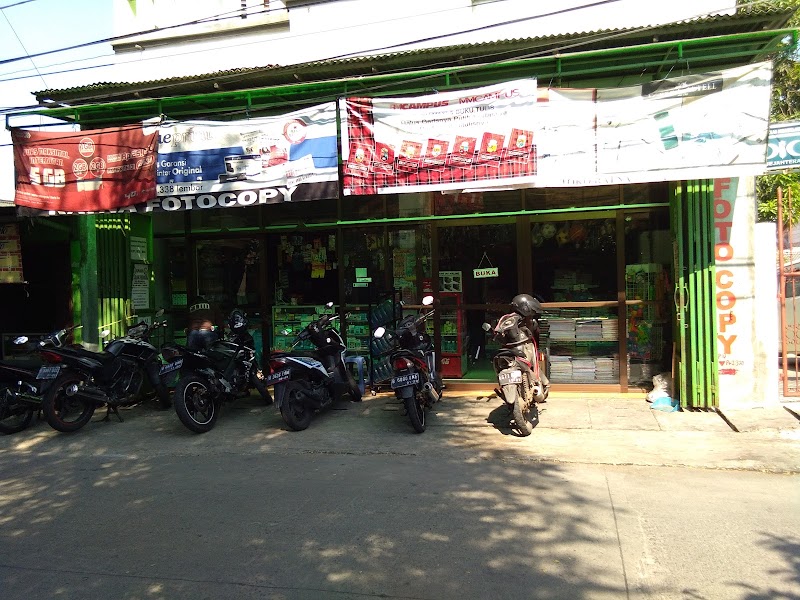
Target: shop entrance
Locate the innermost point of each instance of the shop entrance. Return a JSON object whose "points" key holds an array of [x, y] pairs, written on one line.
{"points": [[478, 277]]}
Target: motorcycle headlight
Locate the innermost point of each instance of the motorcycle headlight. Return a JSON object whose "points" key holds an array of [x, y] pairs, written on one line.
{"points": [[170, 353]]}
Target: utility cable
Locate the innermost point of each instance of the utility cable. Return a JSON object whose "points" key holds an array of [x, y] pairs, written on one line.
{"points": [[233, 14], [576, 43]]}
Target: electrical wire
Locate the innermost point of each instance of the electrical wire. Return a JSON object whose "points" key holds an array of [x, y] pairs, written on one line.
{"points": [[16, 4], [194, 52], [232, 14], [16, 35], [163, 86], [576, 43]]}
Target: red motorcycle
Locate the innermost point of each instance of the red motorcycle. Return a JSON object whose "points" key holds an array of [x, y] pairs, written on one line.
{"points": [[522, 384]]}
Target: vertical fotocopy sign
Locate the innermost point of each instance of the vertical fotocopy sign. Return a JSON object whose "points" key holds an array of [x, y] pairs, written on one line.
{"points": [[747, 370]]}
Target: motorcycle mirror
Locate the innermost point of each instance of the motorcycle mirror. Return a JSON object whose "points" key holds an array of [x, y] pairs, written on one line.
{"points": [[486, 327], [427, 300], [379, 332], [159, 312], [105, 333], [329, 305], [21, 340]]}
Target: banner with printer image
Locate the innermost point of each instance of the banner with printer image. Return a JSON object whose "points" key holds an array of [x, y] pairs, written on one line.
{"points": [[265, 160]]}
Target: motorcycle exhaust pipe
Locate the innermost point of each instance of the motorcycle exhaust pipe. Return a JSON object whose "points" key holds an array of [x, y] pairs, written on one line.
{"points": [[431, 391]]}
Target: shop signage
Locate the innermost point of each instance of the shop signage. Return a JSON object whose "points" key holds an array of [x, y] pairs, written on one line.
{"points": [[486, 272], [10, 254], [517, 135], [91, 171], [211, 164], [783, 149]]}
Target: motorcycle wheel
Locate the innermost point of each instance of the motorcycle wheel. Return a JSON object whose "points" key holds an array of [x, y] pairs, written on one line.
{"points": [[355, 391], [416, 413], [13, 418], [66, 413], [525, 419], [194, 404], [296, 414], [256, 382]]}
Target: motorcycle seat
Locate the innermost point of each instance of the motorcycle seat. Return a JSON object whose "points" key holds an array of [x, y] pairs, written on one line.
{"points": [[27, 364]]}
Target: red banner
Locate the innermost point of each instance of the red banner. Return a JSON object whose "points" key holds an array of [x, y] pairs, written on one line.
{"points": [[97, 170]]}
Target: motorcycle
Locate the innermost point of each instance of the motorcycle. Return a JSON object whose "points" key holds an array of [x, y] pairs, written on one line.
{"points": [[518, 372], [415, 381], [210, 376], [21, 387], [83, 381], [306, 381]]}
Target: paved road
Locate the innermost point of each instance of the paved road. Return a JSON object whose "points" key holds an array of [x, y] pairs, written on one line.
{"points": [[359, 507]]}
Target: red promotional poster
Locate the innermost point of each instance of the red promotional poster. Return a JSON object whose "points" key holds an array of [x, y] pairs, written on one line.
{"points": [[491, 147], [84, 171], [410, 154], [384, 160], [435, 154]]}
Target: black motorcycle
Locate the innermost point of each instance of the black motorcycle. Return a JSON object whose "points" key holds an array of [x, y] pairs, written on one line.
{"points": [[23, 384], [83, 381], [224, 371], [306, 381], [415, 381]]}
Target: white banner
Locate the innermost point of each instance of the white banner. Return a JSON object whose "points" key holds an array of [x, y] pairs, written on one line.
{"points": [[213, 164], [515, 135]]}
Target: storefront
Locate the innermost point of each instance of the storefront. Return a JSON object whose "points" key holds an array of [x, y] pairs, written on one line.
{"points": [[597, 257], [558, 206]]}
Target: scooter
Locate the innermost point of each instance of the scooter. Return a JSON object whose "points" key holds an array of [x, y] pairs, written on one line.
{"points": [[517, 369], [23, 384], [415, 381], [307, 381]]}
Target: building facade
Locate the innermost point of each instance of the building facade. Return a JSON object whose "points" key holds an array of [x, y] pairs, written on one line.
{"points": [[638, 277]]}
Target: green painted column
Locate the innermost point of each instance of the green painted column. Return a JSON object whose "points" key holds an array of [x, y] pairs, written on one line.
{"points": [[87, 269]]}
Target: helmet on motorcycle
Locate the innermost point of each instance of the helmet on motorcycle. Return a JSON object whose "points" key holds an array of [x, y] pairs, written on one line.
{"points": [[527, 306], [237, 320]]}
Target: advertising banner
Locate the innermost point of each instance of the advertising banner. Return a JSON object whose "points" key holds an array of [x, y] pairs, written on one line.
{"points": [[783, 153], [515, 135], [476, 138], [10, 254], [88, 171], [213, 164]]}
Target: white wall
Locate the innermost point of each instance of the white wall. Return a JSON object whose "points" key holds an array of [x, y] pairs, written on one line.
{"points": [[345, 27]]}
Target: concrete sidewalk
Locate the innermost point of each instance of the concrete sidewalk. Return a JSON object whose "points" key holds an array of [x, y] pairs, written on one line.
{"points": [[586, 429], [619, 430]]}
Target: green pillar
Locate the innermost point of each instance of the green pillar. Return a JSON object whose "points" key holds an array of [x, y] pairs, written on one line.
{"points": [[87, 288]]}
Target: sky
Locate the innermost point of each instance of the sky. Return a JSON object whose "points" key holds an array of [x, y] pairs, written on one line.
{"points": [[32, 26]]}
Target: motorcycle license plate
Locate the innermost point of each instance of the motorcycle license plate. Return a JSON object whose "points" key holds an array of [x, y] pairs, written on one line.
{"points": [[170, 367], [404, 380], [48, 372], [510, 377], [276, 377]]}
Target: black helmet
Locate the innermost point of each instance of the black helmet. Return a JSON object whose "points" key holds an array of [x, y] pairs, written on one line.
{"points": [[237, 320], [527, 305]]}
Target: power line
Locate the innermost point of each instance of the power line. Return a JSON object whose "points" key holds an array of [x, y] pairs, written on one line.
{"points": [[16, 4], [367, 51], [16, 35], [233, 14], [236, 14], [576, 43]]}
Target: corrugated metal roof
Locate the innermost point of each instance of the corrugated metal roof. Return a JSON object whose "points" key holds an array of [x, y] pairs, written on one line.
{"points": [[756, 19]]}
